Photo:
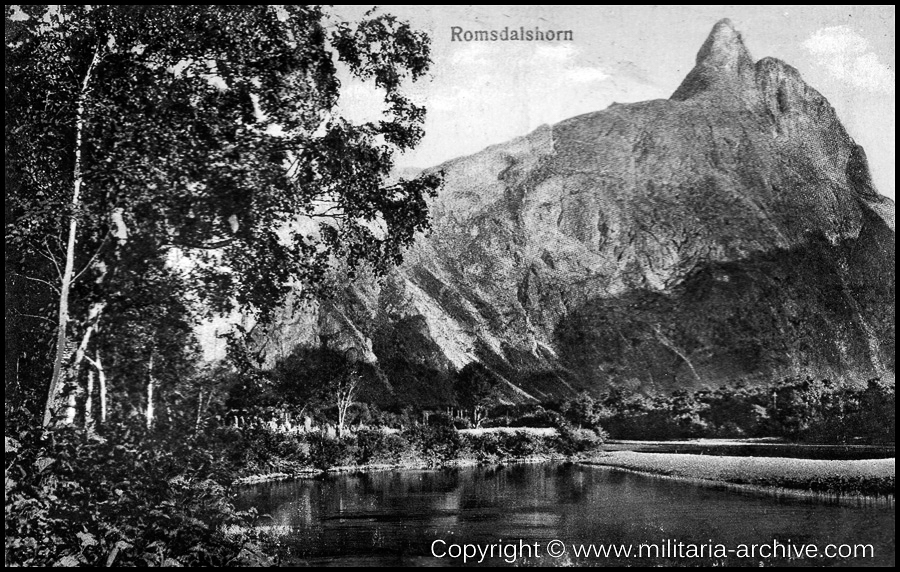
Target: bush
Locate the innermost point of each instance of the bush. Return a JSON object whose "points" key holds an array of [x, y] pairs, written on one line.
{"points": [[487, 447], [139, 499], [493, 447], [376, 446], [264, 451], [570, 441], [326, 452], [521, 444], [540, 418], [434, 444]]}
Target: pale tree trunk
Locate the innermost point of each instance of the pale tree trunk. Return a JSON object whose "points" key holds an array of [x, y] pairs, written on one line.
{"points": [[70, 408], [101, 379], [199, 412], [201, 407], [342, 413], [65, 286], [101, 384], [150, 384], [345, 396], [93, 320], [74, 368], [478, 415], [89, 402]]}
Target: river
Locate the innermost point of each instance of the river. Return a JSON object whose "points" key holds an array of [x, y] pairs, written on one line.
{"points": [[416, 517]]}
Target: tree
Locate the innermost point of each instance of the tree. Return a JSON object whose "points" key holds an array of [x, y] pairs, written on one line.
{"points": [[582, 411], [319, 379], [477, 389], [345, 394], [147, 339], [206, 134]]}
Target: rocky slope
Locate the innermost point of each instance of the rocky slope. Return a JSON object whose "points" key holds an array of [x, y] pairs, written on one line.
{"points": [[729, 233]]}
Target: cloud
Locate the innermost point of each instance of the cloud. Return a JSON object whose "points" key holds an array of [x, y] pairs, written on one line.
{"points": [[555, 53], [471, 55], [848, 57], [586, 74], [836, 40], [488, 79], [476, 66]]}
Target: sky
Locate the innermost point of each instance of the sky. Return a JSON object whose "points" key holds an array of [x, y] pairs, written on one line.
{"points": [[481, 93]]}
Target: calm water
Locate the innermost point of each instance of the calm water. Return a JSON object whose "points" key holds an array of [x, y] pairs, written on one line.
{"points": [[395, 517]]}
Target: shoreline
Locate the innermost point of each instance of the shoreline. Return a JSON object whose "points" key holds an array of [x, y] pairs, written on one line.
{"points": [[312, 473], [755, 447], [823, 479], [868, 481], [864, 500]]}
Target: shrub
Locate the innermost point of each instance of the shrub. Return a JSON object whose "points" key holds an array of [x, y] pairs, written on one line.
{"points": [[522, 444], [540, 418], [492, 447], [487, 447], [326, 452], [435, 444], [376, 446], [570, 441], [139, 500], [264, 451]]}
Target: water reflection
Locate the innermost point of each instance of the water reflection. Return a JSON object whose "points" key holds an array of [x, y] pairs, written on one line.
{"points": [[393, 517]]}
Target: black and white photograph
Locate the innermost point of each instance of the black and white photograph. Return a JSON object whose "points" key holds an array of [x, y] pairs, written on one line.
{"points": [[303, 285]]}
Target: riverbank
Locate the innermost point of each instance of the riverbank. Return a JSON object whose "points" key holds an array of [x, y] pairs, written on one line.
{"points": [[411, 465], [869, 477], [758, 447], [752, 462]]}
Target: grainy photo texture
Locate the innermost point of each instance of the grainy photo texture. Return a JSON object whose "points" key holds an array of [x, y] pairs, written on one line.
{"points": [[449, 285]]}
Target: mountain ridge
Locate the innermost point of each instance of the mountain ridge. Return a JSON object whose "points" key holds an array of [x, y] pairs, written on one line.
{"points": [[730, 233]]}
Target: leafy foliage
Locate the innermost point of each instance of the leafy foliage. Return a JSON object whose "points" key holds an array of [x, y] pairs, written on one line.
{"points": [[211, 129], [138, 499], [209, 150], [178, 162], [805, 410], [477, 388]]}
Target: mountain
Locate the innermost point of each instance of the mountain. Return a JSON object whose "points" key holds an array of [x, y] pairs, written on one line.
{"points": [[730, 233]]}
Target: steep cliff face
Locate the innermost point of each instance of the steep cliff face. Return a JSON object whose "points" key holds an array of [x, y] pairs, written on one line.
{"points": [[730, 232]]}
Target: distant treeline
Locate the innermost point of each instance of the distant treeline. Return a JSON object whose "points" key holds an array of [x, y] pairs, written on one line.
{"points": [[801, 410], [797, 409]]}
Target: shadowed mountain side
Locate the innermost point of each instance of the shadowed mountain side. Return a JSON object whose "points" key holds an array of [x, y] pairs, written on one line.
{"points": [[728, 233], [772, 315]]}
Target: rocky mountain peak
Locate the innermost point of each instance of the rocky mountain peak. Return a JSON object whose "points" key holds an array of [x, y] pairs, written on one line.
{"points": [[723, 43], [729, 234], [723, 65]]}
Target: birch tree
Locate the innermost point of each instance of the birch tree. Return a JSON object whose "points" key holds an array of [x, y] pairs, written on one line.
{"points": [[206, 133]]}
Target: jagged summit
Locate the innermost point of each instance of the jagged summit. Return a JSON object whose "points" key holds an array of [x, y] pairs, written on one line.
{"points": [[723, 65], [724, 44]]}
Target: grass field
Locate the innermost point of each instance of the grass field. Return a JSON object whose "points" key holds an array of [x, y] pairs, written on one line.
{"points": [[759, 447], [856, 477]]}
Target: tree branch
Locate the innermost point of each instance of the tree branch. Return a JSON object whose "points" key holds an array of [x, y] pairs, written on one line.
{"points": [[52, 286], [48, 254], [211, 246], [91, 261], [45, 318]]}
